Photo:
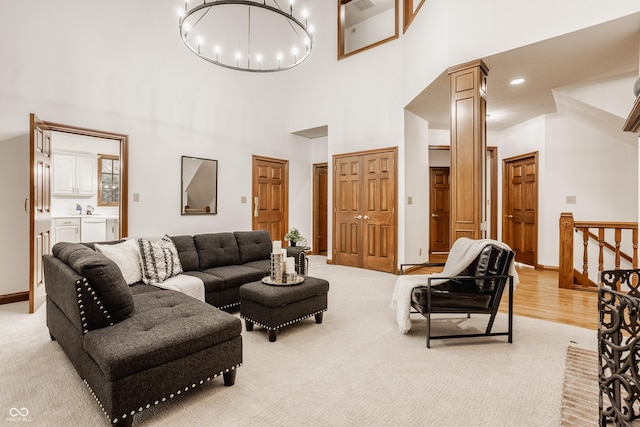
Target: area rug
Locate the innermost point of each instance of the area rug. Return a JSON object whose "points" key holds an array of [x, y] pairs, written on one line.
{"points": [[580, 389]]}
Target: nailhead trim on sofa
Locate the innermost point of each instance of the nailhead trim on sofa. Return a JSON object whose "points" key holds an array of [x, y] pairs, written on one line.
{"points": [[164, 399], [284, 324], [96, 300]]}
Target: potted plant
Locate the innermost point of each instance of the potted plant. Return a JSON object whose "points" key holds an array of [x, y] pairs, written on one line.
{"points": [[293, 236]]}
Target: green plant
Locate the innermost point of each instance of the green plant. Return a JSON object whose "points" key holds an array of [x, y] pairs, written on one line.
{"points": [[293, 236]]}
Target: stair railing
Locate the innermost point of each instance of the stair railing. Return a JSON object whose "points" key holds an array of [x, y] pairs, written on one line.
{"points": [[568, 276]]}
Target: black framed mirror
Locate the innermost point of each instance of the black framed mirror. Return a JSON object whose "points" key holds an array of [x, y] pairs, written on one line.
{"points": [[199, 186]]}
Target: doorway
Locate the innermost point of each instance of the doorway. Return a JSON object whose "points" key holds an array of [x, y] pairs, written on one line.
{"points": [[439, 205], [320, 220], [364, 201], [520, 207], [270, 195], [38, 205]]}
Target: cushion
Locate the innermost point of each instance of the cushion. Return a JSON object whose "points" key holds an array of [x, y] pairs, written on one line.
{"points": [[126, 255], [159, 260], [103, 276], [187, 252], [253, 245], [168, 325], [216, 249]]}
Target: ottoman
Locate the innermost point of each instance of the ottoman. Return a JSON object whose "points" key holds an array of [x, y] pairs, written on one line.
{"points": [[275, 306]]}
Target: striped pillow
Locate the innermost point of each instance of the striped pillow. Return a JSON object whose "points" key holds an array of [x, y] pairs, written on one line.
{"points": [[159, 260]]}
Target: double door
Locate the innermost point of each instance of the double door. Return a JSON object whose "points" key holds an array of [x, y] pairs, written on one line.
{"points": [[364, 204]]}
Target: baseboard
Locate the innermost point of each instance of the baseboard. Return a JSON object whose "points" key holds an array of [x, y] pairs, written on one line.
{"points": [[547, 267], [18, 296], [329, 261]]}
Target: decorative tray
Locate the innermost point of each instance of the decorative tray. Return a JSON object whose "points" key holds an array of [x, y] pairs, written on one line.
{"points": [[267, 280]]}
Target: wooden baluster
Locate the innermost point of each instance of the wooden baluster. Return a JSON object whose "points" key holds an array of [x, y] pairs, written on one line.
{"points": [[585, 258], [634, 238], [565, 268], [601, 254], [618, 238]]}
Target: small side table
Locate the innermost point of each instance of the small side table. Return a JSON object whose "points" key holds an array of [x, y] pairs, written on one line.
{"points": [[275, 306]]}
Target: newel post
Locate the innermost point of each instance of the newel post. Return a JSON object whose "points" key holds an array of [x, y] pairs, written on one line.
{"points": [[565, 267]]}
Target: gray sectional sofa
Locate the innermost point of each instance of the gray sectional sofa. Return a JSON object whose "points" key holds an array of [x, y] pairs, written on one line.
{"points": [[138, 345]]}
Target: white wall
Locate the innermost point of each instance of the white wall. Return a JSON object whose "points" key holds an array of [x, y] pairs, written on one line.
{"points": [[120, 66]]}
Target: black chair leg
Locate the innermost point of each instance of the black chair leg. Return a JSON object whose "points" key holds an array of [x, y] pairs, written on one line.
{"points": [[428, 330]]}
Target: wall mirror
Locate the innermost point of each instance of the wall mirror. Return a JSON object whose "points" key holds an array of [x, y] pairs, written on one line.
{"points": [[199, 186], [411, 8], [363, 24]]}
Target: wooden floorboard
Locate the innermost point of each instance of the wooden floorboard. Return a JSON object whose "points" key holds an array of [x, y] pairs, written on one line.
{"points": [[538, 296]]}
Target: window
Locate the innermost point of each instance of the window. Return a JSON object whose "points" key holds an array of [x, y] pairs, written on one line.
{"points": [[108, 180]]}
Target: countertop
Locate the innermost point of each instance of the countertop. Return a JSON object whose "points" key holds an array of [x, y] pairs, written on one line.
{"points": [[99, 216]]}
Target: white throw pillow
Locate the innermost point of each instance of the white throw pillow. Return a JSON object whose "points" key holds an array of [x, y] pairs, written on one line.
{"points": [[127, 256], [160, 260]]}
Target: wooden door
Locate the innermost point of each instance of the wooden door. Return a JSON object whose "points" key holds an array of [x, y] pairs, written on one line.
{"points": [[439, 203], [320, 206], [365, 229], [378, 211], [520, 206], [39, 209], [270, 196], [347, 199]]}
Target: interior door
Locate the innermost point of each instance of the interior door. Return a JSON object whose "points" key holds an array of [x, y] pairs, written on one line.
{"points": [[378, 211], [365, 228], [520, 206], [347, 175], [39, 209], [270, 196], [439, 203], [320, 206]]}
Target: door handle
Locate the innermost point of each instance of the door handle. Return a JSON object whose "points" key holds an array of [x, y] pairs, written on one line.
{"points": [[509, 216], [357, 217], [255, 209], [434, 215], [26, 205], [366, 217]]}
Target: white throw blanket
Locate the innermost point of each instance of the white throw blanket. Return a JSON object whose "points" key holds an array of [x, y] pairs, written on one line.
{"points": [[462, 253], [189, 285]]}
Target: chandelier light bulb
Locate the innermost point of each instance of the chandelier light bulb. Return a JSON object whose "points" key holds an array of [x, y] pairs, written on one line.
{"points": [[294, 51], [311, 29], [181, 13], [238, 56], [305, 13], [259, 58]]}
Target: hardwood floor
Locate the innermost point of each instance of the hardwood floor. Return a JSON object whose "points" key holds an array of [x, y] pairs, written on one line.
{"points": [[538, 296]]}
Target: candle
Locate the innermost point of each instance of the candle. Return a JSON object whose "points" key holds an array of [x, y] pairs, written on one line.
{"points": [[284, 253], [277, 246], [291, 266]]}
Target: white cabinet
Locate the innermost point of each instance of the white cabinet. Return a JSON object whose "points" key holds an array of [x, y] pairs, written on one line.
{"points": [[74, 174], [67, 230], [113, 229]]}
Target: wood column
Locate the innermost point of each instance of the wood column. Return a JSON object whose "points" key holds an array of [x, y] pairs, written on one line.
{"points": [[467, 94], [565, 263]]}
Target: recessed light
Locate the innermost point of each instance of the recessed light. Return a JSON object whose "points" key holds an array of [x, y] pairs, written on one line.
{"points": [[517, 81]]}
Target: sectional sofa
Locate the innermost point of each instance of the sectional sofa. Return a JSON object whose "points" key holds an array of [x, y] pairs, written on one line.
{"points": [[136, 344]]}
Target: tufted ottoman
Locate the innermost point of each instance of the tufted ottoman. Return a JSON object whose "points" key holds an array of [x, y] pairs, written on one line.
{"points": [[275, 306]]}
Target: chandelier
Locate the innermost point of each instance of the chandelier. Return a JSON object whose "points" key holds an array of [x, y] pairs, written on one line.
{"points": [[247, 35]]}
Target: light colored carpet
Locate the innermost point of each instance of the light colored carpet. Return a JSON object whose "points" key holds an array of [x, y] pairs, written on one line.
{"points": [[353, 369]]}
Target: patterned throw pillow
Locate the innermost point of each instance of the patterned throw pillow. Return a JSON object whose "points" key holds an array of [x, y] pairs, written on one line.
{"points": [[159, 260]]}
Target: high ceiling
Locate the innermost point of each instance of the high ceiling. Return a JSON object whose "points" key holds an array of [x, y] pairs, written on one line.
{"points": [[602, 51]]}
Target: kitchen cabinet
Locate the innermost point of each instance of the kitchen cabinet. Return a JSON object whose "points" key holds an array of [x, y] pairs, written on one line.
{"points": [[67, 230], [74, 174], [113, 229]]}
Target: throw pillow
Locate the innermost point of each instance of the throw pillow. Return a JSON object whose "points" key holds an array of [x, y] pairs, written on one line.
{"points": [[126, 256], [159, 260]]}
